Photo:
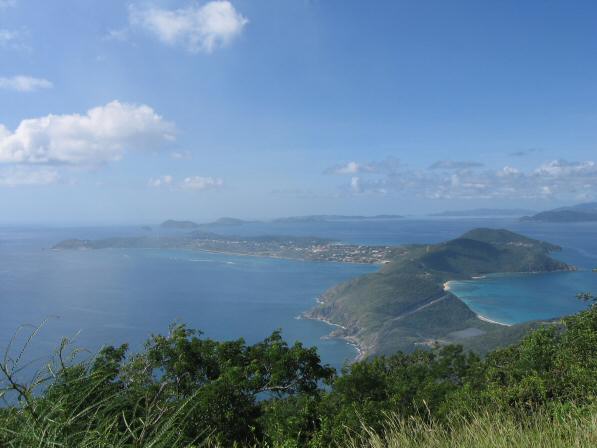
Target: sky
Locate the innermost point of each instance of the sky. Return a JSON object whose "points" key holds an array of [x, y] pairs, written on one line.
{"points": [[135, 112]]}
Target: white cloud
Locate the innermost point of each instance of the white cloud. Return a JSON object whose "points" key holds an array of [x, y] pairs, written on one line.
{"points": [[162, 181], [13, 40], [101, 135], [198, 183], [355, 184], [7, 3], [196, 28], [351, 168], [27, 176], [24, 83], [386, 166], [464, 180]]}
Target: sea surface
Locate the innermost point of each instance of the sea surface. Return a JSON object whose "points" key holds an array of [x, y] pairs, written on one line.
{"points": [[119, 295]]}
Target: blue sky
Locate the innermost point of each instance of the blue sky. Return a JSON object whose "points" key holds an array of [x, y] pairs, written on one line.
{"points": [[136, 112]]}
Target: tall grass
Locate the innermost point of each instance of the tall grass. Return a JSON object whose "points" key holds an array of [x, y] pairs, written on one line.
{"points": [[485, 430]]}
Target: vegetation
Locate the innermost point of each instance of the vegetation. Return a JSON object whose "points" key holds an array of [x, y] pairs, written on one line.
{"points": [[404, 306], [184, 390], [586, 212]]}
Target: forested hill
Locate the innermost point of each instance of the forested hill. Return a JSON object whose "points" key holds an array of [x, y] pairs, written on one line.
{"points": [[577, 213], [405, 306]]}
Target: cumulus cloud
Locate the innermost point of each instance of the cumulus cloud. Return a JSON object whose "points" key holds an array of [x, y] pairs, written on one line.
{"points": [[162, 181], [23, 83], [196, 28], [27, 176], [101, 135], [199, 183], [553, 179]]}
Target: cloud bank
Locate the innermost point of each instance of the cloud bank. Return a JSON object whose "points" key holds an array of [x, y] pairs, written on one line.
{"points": [[557, 179], [195, 28]]}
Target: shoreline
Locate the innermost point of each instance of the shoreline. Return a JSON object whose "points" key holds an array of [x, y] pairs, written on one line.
{"points": [[350, 340], [447, 288], [491, 321]]}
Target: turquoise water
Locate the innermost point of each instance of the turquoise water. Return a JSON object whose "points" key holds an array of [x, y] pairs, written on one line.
{"points": [[512, 299]]}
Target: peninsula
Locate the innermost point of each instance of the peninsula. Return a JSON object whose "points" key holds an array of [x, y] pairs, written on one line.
{"points": [[586, 212], [406, 305]]}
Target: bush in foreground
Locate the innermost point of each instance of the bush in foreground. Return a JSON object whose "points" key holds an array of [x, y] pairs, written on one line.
{"points": [[183, 390]]}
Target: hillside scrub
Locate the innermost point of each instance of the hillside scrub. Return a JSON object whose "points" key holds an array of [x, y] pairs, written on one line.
{"points": [[183, 390]]}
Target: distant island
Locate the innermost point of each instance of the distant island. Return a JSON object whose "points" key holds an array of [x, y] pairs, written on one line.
{"points": [[172, 224], [408, 305], [586, 212], [227, 221], [483, 212], [296, 248], [331, 218]]}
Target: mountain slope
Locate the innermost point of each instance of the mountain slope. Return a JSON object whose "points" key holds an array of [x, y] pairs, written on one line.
{"points": [[578, 213], [405, 304]]}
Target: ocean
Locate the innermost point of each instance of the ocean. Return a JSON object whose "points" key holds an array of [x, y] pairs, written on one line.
{"points": [[114, 296]]}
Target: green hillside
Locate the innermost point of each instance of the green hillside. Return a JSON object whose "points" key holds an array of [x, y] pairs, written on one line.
{"points": [[405, 305]]}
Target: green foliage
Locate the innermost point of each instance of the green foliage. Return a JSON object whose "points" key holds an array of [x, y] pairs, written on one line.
{"points": [[184, 390], [404, 306]]}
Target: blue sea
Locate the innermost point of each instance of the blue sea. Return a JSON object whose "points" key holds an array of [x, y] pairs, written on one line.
{"points": [[114, 296]]}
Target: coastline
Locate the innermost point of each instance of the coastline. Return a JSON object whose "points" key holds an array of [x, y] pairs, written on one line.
{"points": [[447, 288], [491, 321], [350, 340]]}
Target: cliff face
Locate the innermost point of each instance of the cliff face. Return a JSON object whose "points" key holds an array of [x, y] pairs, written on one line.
{"points": [[404, 306]]}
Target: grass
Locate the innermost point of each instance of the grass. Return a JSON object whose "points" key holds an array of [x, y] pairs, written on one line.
{"points": [[487, 430]]}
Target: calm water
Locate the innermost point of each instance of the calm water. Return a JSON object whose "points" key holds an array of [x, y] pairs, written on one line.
{"points": [[115, 296]]}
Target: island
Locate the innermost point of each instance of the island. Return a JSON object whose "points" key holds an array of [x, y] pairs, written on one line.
{"points": [[173, 224], [586, 212], [227, 221], [408, 304], [484, 213], [334, 218], [295, 248]]}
